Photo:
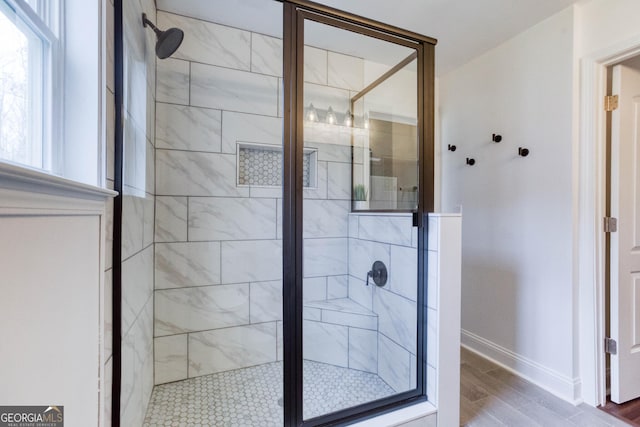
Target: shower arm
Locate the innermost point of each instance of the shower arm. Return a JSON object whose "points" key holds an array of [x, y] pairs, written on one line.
{"points": [[145, 22]]}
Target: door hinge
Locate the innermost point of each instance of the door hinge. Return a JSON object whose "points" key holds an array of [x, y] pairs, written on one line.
{"points": [[610, 346], [610, 224], [610, 102]]}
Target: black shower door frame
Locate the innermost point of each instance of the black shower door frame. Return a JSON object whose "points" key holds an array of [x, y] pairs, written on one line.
{"points": [[296, 12]]}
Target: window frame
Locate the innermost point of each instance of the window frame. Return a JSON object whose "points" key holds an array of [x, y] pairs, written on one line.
{"points": [[45, 21]]}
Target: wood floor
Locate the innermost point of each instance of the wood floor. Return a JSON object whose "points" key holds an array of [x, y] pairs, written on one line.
{"points": [[492, 396], [629, 411]]}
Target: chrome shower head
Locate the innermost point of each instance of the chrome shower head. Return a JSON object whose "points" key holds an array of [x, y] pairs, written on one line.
{"points": [[167, 42]]}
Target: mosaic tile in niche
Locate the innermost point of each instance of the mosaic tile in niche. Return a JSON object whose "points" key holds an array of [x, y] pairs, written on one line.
{"points": [[263, 166]]}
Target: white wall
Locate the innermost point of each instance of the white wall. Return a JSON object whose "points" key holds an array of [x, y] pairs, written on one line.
{"points": [[517, 295], [51, 320], [606, 23]]}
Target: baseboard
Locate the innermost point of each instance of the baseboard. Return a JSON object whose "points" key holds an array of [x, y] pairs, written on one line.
{"points": [[559, 385]]}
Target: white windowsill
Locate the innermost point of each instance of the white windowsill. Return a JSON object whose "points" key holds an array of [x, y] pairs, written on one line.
{"points": [[24, 179]]}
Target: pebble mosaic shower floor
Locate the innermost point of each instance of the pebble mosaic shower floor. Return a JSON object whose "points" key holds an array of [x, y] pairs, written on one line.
{"points": [[251, 397]]}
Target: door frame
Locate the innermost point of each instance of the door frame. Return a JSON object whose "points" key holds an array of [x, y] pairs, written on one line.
{"points": [[591, 207], [296, 12]]}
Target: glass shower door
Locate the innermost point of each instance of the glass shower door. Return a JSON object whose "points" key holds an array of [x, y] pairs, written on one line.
{"points": [[360, 246]]}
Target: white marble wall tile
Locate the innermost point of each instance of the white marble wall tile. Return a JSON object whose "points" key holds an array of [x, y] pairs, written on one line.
{"points": [[315, 65], [187, 264], [108, 384], [328, 152], [110, 142], [197, 309], [131, 406], [403, 271], [350, 319], [149, 168], [363, 350], [108, 256], [414, 371], [339, 181], [170, 358], [137, 285], [137, 368], [183, 173], [266, 55], [337, 286], [231, 348], [432, 279], [432, 379], [265, 299], [150, 74], [135, 94], [263, 256], [325, 343], [144, 348], [213, 218], [394, 364], [325, 257], [280, 339], [320, 191], [353, 225], [148, 212], [323, 97], [432, 337], [326, 218], [110, 36], [233, 90], [249, 128], [360, 292], [279, 219], [392, 229], [362, 255], [133, 33], [210, 43], [129, 166], [150, 123], [180, 127], [172, 81], [280, 97], [136, 169], [171, 219], [132, 225], [397, 318], [314, 289], [311, 313], [108, 314], [265, 192], [345, 71], [321, 133]]}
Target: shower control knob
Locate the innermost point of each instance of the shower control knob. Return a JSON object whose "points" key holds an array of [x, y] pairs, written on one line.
{"points": [[378, 273]]}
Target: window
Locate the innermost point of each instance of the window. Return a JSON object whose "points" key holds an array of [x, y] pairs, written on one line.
{"points": [[30, 82]]}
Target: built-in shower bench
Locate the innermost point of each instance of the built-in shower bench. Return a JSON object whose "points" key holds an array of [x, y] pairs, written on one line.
{"points": [[341, 332], [341, 311]]}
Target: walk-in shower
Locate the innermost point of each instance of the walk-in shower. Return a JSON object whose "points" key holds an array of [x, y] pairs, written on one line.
{"points": [[275, 173]]}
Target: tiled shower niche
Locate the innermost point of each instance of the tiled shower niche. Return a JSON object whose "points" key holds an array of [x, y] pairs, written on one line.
{"points": [[261, 165]]}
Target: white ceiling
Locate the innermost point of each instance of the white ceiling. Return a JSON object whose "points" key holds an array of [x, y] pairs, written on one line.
{"points": [[464, 28]]}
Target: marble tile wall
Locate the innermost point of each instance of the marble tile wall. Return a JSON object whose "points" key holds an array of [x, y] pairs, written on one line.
{"points": [[218, 251], [389, 238], [138, 205]]}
